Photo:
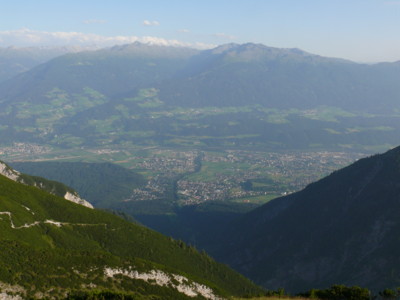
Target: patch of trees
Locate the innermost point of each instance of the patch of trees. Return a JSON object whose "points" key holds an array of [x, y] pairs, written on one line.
{"points": [[342, 292]]}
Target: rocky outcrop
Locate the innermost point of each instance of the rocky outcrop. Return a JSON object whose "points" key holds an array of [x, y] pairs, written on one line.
{"points": [[157, 277], [7, 171], [14, 175], [76, 199]]}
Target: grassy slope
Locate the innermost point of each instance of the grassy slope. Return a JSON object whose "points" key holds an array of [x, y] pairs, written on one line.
{"points": [[39, 255]]}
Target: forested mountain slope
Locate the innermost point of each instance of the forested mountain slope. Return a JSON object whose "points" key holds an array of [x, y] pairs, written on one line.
{"points": [[342, 229], [52, 187], [52, 247], [102, 184], [14, 61]]}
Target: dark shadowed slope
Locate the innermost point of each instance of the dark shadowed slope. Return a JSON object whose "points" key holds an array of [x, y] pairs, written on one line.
{"points": [[344, 228]]}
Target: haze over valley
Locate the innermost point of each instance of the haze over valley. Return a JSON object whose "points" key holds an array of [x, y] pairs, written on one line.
{"points": [[139, 154]]}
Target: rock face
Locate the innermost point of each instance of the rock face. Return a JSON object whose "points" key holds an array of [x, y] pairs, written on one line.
{"points": [[343, 229], [7, 171], [75, 198], [41, 183], [157, 277]]}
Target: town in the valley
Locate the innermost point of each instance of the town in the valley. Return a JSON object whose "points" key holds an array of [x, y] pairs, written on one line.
{"points": [[195, 176]]}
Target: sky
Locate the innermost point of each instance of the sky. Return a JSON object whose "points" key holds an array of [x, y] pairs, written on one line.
{"points": [[359, 30]]}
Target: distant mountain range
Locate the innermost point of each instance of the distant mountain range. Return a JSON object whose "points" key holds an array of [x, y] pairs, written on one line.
{"points": [[237, 75], [14, 61], [233, 95], [111, 72], [229, 75], [342, 229], [53, 248]]}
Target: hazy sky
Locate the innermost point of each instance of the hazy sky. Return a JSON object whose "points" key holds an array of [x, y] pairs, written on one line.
{"points": [[360, 30]]}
